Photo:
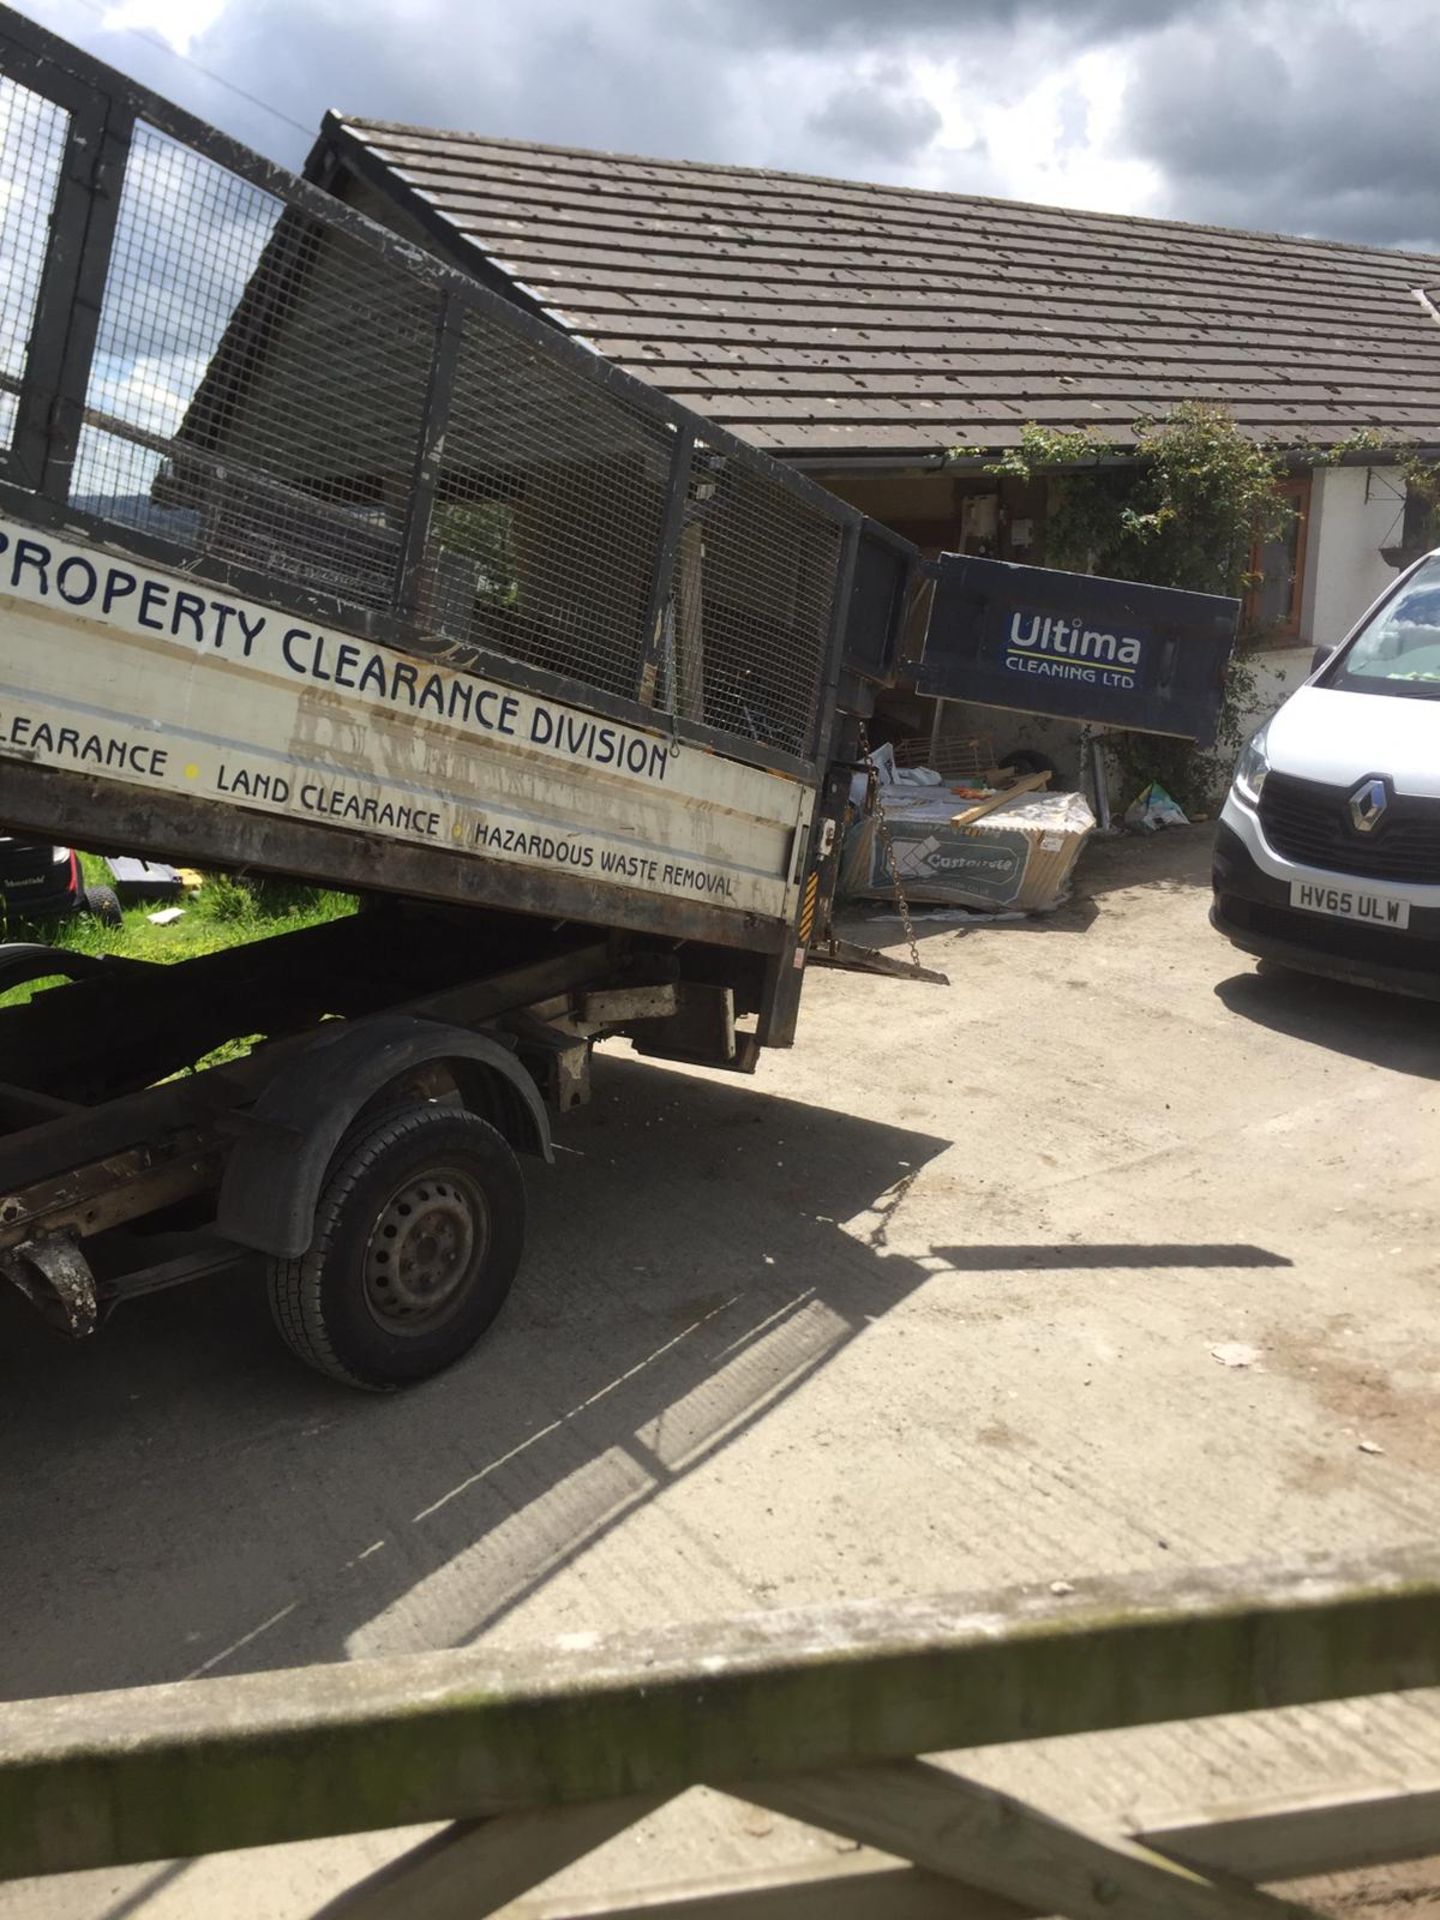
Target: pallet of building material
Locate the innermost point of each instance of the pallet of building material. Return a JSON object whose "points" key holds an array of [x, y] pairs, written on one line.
{"points": [[1020, 855], [1027, 783]]}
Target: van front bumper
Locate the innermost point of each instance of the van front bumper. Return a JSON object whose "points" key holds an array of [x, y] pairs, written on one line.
{"points": [[1251, 907]]}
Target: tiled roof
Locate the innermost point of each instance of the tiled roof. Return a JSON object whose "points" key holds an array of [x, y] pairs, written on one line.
{"points": [[819, 317]]}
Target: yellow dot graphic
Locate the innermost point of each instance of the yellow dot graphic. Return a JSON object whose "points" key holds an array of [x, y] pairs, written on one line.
{"points": [[192, 772]]}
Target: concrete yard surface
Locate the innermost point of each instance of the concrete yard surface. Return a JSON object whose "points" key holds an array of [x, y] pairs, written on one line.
{"points": [[1114, 1254]]}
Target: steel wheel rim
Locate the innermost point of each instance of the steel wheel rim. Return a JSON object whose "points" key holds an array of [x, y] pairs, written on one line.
{"points": [[427, 1240]]}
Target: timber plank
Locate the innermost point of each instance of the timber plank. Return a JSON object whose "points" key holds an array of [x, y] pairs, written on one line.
{"points": [[477, 1866], [1289, 1839], [1029, 783], [1275, 1839], [981, 1837], [856, 1886]]}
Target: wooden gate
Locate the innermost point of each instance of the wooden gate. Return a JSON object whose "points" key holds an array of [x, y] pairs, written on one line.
{"points": [[535, 1758]]}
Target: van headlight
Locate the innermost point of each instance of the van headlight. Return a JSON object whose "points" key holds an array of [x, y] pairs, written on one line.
{"points": [[1251, 769]]}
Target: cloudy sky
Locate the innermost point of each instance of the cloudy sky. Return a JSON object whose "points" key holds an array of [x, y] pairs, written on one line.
{"points": [[1304, 116]]}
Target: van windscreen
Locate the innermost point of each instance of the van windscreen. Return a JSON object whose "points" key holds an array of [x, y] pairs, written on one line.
{"points": [[1398, 650]]}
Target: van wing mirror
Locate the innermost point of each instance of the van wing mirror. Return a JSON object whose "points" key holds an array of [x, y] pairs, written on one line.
{"points": [[1319, 657]]}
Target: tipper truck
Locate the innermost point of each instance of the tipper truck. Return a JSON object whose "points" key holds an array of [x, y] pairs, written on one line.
{"points": [[319, 558]]}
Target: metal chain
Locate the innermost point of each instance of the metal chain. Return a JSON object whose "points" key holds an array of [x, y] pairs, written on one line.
{"points": [[887, 847]]}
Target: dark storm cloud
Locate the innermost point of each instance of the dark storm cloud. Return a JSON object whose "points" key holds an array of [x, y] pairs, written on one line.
{"points": [[886, 122], [1306, 116], [553, 70], [947, 23], [670, 77], [560, 70], [1320, 120]]}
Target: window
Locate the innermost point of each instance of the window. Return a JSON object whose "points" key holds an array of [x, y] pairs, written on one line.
{"points": [[1272, 604]]}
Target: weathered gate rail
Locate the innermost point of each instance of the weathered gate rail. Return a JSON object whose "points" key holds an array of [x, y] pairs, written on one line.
{"points": [[539, 1756]]}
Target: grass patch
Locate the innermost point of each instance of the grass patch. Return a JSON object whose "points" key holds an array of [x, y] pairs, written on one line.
{"points": [[224, 912]]}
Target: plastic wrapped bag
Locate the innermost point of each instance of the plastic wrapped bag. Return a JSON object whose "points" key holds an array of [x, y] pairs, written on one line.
{"points": [[1153, 808], [881, 761]]}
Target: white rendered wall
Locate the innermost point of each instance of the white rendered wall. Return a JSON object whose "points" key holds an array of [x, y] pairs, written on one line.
{"points": [[1354, 512]]}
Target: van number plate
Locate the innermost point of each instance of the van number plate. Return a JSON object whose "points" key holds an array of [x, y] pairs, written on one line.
{"points": [[1344, 903]]}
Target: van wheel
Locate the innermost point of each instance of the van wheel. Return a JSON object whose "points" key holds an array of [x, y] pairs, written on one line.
{"points": [[418, 1236]]}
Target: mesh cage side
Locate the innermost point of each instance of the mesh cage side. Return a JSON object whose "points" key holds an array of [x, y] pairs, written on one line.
{"points": [[756, 580], [546, 529], [259, 381], [279, 394], [545, 543], [189, 236], [32, 148]]}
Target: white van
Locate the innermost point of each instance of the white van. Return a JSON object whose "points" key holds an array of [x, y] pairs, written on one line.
{"points": [[1328, 851]]}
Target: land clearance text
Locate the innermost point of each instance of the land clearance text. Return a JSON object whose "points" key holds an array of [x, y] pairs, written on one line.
{"points": [[343, 803], [114, 752]]}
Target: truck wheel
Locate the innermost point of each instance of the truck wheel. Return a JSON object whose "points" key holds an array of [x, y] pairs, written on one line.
{"points": [[418, 1235]]}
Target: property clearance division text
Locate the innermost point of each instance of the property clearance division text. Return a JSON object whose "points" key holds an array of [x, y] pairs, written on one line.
{"points": [[119, 594]]}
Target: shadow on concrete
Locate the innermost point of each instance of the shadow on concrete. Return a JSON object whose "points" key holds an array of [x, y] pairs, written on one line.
{"points": [[180, 1497], [884, 929], [1067, 1256], [1386, 1029]]}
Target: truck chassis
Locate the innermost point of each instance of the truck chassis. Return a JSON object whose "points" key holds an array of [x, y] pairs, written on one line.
{"points": [[365, 1145]]}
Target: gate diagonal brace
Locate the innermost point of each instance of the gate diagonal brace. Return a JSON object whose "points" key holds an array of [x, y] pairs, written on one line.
{"points": [[475, 1867], [985, 1839]]}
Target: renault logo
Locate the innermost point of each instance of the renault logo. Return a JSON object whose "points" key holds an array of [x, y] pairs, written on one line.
{"points": [[1367, 806]]}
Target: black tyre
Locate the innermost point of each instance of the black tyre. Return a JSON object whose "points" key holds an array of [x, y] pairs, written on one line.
{"points": [[1025, 760], [104, 903], [418, 1235]]}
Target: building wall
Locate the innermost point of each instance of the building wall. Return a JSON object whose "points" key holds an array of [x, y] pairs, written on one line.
{"points": [[951, 512]]}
